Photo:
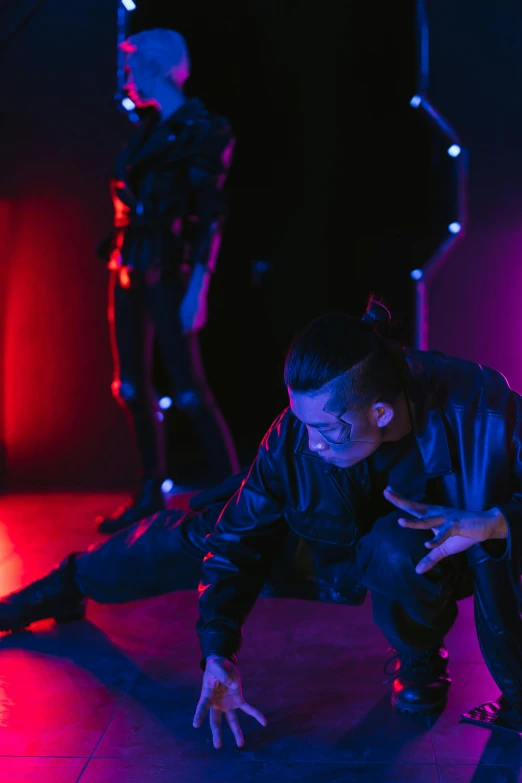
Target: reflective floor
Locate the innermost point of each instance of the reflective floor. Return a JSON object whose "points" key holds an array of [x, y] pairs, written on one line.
{"points": [[111, 699]]}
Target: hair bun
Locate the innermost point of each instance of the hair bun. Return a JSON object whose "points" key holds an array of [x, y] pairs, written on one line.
{"points": [[376, 314]]}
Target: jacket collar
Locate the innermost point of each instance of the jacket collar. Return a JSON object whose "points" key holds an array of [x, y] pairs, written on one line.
{"points": [[427, 418], [164, 134], [426, 412]]}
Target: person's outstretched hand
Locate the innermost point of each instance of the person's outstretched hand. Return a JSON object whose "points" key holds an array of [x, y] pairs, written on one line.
{"points": [[221, 692], [455, 529]]}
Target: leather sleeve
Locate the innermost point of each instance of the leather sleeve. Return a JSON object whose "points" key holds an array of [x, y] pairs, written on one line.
{"points": [[207, 172], [513, 509], [219, 494], [246, 540]]}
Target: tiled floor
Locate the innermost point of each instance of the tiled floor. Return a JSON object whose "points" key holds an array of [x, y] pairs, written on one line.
{"points": [[111, 699]]}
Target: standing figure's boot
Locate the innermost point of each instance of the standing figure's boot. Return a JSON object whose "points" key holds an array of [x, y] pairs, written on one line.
{"points": [[148, 500]]}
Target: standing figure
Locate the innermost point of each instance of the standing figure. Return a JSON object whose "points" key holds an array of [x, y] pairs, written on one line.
{"points": [[169, 210]]}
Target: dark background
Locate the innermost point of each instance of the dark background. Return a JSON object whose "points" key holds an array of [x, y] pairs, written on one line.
{"points": [[337, 185], [332, 184]]}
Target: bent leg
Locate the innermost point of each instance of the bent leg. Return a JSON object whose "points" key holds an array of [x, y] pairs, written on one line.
{"points": [[412, 610], [131, 341], [499, 631], [199, 403], [183, 361]]}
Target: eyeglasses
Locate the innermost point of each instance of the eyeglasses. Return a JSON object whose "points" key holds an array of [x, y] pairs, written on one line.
{"points": [[344, 436]]}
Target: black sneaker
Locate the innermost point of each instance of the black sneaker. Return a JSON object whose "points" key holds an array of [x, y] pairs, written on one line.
{"points": [[54, 596], [420, 681], [148, 500]]}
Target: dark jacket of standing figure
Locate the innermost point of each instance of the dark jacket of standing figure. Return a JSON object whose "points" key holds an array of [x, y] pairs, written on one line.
{"points": [[167, 191]]}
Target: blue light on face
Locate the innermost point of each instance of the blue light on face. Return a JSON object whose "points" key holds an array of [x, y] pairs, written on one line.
{"points": [[454, 151], [416, 101], [128, 104], [416, 274], [454, 228], [129, 5], [165, 403], [167, 486]]}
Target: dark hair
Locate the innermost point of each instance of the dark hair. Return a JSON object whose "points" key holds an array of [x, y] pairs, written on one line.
{"points": [[348, 353]]}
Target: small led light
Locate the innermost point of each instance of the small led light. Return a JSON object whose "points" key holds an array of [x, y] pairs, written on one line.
{"points": [[416, 101], [454, 151], [129, 5], [128, 104], [416, 274], [454, 227], [165, 403], [159, 415], [167, 486]]}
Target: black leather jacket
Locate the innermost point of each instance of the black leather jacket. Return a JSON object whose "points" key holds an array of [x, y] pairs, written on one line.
{"points": [[468, 426], [167, 190]]}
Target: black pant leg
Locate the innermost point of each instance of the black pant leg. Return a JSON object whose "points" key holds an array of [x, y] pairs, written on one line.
{"points": [[131, 339], [412, 610], [158, 555], [182, 356], [498, 621]]}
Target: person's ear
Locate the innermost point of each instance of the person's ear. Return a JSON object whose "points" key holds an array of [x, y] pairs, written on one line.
{"points": [[382, 413]]}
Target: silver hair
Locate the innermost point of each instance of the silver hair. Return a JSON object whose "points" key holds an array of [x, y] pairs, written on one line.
{"points": [[164, 46]]}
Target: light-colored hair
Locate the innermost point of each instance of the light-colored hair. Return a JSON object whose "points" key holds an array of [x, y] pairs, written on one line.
{"points": [[166, 47]]}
